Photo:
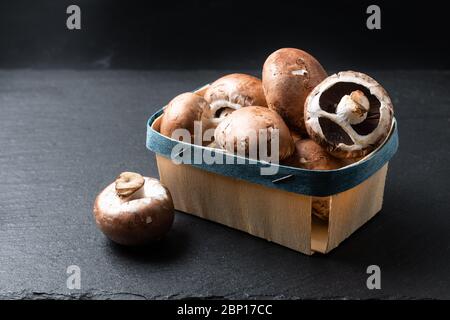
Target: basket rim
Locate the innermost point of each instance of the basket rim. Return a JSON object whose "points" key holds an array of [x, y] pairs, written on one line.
{"points": [[312, 182]]}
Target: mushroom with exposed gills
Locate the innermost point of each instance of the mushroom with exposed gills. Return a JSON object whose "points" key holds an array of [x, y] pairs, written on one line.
{"points": [[349, 114], [232, 92]]}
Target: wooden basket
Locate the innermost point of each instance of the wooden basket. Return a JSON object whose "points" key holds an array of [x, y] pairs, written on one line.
{"points": [[281, 213]]}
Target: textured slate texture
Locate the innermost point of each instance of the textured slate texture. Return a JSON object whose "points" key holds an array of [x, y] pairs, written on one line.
{"points": [[64, 135]]}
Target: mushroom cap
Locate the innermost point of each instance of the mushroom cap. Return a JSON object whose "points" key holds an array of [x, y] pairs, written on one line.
{"points": [[232, 92], [289, 75], [236, 90], [181, 113], [320, 207], [137, 221], [295, 136], [238, 128], [310, 155], [341, 136]]}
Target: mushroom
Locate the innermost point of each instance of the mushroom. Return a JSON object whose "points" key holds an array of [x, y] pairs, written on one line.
{"points": [[349, 114], [295, 136], [134, 210], [245, 126], [289, 75], [232, 92], [310, 155], [182, 112], [320, 207]]}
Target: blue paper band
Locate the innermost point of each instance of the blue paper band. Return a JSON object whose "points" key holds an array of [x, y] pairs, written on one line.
{"points": [[302, 181]]}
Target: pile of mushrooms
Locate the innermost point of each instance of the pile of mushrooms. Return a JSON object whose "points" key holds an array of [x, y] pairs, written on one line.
{"points": [[324, 122]]}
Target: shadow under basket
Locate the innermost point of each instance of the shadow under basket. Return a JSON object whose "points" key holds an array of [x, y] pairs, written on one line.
{"points": [[278, 208]]}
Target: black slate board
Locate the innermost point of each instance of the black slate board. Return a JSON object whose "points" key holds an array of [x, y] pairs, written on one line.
{"points": [[64, 135]]}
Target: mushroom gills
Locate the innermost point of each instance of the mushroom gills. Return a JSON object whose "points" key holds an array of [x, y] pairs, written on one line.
{"points": [[334, 133], [219, 110], [331, 97], [223, 112]]}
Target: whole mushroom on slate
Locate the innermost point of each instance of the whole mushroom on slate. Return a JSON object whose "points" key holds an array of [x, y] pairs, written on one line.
{"points": [[134, 210]]}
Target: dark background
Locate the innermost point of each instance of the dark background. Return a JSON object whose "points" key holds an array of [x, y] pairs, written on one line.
{"points": [[232, 34], [65, 134]]}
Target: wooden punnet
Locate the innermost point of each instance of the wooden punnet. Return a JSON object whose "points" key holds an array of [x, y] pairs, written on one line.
{"points": [[276, 208]]}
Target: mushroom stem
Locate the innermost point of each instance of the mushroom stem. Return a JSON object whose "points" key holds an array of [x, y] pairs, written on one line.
{"points": [[353, 107], [138, 194], [130, 186]]}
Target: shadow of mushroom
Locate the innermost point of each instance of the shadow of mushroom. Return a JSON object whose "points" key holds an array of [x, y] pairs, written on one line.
{"points": [[166, 250]]}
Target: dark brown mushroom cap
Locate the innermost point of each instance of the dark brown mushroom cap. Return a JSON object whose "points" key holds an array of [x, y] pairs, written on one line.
{"points": [[289, 75], [138, 221], [232, 92], [310, 155], [235, 131], [352, 134], [182, 112]]}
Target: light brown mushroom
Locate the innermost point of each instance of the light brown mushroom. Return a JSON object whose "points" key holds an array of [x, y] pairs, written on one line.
{"points": [[243, 127], [320, 207], [134, 210], [295, 136], [182, 112], [349, 114], [232, 92], [289, 75], [310, 155]]}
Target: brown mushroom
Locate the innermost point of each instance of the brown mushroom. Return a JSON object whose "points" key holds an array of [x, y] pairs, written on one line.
{"points": [[232, 92], [241, 131], [320, 207], [134, 210], [310, 155], [289, 75], [295, 136], [182, 112], [349, 114]]}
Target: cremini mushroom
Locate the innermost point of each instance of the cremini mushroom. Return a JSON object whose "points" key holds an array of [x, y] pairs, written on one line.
{"points": [[134, 210], [245, 126], [320, 207], [295, 136], [349, 114], [182, 112], [289, 75], [232, 92], [310, 155]]}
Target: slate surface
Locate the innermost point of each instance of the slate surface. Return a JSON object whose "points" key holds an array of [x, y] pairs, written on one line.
{"points": [[64, 135]]}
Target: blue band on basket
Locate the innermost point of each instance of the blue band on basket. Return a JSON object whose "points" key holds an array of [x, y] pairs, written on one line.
{"points": [[307, 182]]}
